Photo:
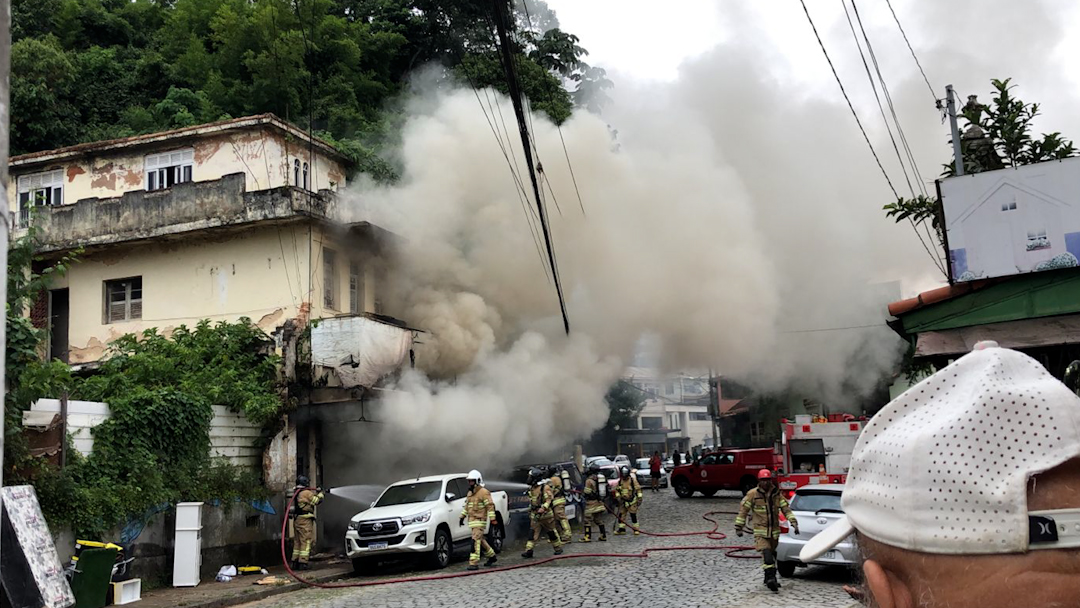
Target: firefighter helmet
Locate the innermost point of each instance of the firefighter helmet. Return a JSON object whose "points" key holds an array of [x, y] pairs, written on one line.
{"points": [[303, 481], [764, 474], [535, 475], [475, 475], [625, 471]]}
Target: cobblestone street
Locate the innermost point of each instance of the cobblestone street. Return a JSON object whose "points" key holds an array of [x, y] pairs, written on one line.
{"points": [[683, 579]]}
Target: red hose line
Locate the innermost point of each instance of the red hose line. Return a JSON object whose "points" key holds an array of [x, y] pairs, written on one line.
{"points": [[730, 551]]}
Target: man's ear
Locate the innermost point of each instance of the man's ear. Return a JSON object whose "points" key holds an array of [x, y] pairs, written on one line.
{"points": [[886, 589]]}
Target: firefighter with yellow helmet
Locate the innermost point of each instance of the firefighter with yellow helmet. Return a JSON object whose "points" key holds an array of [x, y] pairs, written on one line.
{"points": [[560, 486], [595, 493], [628, 498]]}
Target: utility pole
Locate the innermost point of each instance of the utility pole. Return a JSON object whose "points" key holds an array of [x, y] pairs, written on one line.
{"points": [[950, 105], [502, 23], [5, 84]]}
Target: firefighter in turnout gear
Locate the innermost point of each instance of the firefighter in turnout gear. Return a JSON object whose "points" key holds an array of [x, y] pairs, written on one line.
{"points": [[540, 512], [480, 511], [558, 490], [765, 503], [304, 522], [628, 497], [595, 492]]}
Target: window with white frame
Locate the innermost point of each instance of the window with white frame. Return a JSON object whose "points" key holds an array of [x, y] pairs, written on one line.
{"points": [[39, 190], [673, 422], [307, 181], [123, 299], [1037, 239], [1009, 206], [296, 172], [168, 168]]}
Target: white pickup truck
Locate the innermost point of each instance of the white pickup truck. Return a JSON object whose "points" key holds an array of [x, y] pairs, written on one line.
{"points": [[420, 516]]}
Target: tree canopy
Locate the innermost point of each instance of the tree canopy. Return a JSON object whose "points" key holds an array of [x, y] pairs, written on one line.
{"points": [[86, 70]]}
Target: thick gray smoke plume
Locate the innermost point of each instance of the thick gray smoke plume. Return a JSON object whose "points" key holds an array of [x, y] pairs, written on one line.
{"points": [[727, 214]]}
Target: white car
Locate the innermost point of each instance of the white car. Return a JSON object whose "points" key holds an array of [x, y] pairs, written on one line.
{"points": [[644, 474], [621, 460], [815, 506], [420, 517]]}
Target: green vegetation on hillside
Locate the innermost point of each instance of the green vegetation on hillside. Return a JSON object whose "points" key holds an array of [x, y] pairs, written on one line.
{"points": [[86, 70]]}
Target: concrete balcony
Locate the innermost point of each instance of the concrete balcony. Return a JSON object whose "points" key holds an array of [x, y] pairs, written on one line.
{"points": [[183, 208]]}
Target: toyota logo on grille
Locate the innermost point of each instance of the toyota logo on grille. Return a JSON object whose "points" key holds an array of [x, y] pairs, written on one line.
{"points": [[376, 526]]}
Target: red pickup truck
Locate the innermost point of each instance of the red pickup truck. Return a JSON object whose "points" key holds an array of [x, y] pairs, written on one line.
{"points": [[732, 469]]}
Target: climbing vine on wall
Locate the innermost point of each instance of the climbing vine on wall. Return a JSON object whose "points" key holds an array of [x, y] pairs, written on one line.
{"points": [[155, 448]]}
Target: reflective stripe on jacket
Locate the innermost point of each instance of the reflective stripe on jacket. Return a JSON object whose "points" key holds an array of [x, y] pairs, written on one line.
{"points": [[765, 508], [479, 507]]}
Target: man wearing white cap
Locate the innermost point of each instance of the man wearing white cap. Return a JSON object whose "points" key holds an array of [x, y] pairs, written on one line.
{"points": [[965, 490]]}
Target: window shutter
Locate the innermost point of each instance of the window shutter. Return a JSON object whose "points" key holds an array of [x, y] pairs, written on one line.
{"points": [[117, 311], [136, 309]]}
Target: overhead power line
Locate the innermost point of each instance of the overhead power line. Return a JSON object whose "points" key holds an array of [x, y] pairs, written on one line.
{"points": [[848, 99], [910, 48], [938, 262], [502, 23], [877, 98]]}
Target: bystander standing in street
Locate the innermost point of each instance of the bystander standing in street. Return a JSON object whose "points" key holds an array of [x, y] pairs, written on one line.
{"points": [[654, 470], [965, 490], [676, 459]]}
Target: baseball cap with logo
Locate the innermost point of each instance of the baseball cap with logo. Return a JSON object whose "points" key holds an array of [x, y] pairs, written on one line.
{"points": [[944, 468]]}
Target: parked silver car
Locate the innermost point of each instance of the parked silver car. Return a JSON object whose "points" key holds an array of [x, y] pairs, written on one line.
{"points": [[644, 474], [815, 507]]}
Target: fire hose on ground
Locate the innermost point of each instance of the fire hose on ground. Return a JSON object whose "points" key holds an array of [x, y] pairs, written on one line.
{"points": [[733, 551]]}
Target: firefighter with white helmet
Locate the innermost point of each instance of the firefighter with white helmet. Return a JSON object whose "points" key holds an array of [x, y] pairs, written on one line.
{"points": [[540, 512], [595, 493], [765, 503], [628, 496], [480, 511]]}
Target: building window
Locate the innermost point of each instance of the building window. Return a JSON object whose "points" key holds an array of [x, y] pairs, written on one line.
{"points": [[669, 389], [356, 288], [1037, 240], [168, 168], [1010, 206], [39, 190], [673, 422], [123, 300], [307, 185], [329, 278], [652, 423], [296, 172], [699, 416]]}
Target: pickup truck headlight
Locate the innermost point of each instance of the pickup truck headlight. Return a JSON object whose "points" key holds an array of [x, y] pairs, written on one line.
{"points": [[354, 525], [419, 518]]}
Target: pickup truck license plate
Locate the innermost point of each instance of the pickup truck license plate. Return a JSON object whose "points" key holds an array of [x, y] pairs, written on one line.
{"points": [[828, 554], [383, 545]]}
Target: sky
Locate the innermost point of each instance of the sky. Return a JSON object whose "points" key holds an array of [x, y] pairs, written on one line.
{"points": [[960, 42]]}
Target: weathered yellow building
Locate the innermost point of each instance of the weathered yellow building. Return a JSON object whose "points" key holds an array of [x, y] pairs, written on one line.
{"points": [[219, 221]]}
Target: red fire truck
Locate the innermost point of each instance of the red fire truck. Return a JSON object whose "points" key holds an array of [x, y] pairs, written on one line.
{"points": [[816, 449]]}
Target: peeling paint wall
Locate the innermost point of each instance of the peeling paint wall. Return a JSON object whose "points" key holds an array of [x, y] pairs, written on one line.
{"points": [[263, 154], [256, 273]]}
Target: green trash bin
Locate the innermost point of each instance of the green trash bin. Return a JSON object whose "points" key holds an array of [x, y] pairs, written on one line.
{"points": [[93, 573]]}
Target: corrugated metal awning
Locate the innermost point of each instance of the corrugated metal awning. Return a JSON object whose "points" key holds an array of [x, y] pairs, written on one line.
{"points": [[1028, 333]]}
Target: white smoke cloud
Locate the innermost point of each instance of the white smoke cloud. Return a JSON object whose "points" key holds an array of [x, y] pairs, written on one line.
{"points": [[733, 216]]}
